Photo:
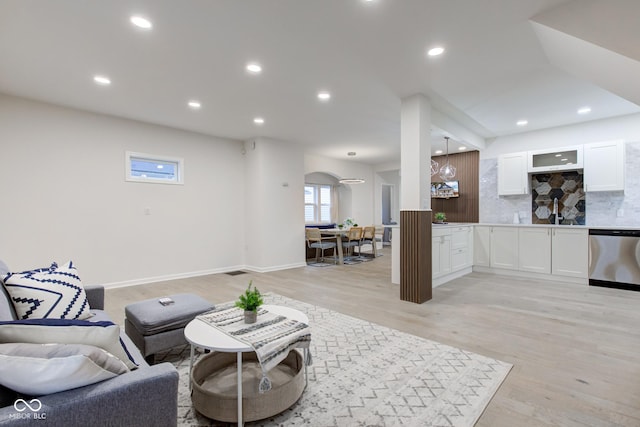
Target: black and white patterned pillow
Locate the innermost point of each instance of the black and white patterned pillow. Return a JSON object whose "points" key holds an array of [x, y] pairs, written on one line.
{"points": [[48, 293]]}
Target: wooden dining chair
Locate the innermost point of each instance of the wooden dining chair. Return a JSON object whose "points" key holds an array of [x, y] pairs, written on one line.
{"points": [[353, 239], [369, 237], [320, 244]]}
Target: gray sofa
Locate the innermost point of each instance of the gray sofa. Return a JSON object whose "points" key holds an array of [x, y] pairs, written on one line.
{"points": [[146, 396]]}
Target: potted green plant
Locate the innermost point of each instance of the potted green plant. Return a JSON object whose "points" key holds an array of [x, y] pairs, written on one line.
{"points": [[439, 217], [249, 302]]}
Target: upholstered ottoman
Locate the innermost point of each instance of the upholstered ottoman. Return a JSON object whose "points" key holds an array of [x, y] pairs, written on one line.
{"points": [[155, 327]]}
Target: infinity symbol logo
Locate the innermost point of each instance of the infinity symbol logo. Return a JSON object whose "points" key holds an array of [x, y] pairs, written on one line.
{"points": [[21, 405]]}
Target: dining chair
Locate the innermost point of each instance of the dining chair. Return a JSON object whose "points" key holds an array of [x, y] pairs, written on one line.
{"points": [[320, 244], [353, 239], [369, 237]]}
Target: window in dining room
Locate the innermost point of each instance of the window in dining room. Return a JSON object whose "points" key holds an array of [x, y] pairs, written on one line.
{"points": [[317, 203]]}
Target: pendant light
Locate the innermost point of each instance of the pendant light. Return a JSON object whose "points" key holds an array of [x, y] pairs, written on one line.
{"points": [[447, 171], [434, 167]]}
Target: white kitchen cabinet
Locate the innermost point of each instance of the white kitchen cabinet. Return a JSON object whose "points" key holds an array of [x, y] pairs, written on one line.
{"points": [[441, 253], [604, 166], [534, 249], [556, 159], [482, 246], [461, 239], [504, 247], [570, 252], [512, 174]]}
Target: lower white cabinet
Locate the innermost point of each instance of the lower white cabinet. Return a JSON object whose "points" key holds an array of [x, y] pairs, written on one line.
{"points": [[570, 252], [534, 249], [482, 246], [451, 251], [441, 254], [554, 251], [504, 247]]}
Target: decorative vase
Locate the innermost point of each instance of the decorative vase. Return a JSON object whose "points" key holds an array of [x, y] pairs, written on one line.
{"points": [[250, 316]]}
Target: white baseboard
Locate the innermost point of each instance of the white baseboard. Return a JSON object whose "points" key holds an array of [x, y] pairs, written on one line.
{"points": [[448, 277], [155, 279], [275, 268], [531, 275]]}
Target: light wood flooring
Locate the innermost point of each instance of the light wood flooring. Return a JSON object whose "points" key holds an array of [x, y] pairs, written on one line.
{"points": [[575, 349]]}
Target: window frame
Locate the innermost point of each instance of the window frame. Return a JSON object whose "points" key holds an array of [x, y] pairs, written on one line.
{"points": [[318, 203], [177, 161]]}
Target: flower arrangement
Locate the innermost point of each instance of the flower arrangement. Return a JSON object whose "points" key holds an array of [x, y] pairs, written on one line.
{"points": [[349, 222]]}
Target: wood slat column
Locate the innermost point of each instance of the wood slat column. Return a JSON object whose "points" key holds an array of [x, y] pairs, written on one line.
{"points": [[415, 256]]}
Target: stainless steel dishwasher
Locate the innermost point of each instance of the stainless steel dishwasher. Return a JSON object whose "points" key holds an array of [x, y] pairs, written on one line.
{"points": [[614, 258]]}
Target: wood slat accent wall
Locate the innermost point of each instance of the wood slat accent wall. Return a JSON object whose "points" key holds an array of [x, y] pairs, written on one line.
{"points": [[465, 208], [415, 256]]}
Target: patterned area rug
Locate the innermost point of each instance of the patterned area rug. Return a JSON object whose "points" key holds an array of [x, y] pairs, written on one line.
{"points": [[364, 374]]}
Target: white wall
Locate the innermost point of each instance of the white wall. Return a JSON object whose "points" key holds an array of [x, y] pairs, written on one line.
{"points": [[64, 196], [356, 200], [601, 207], [274, 216]]}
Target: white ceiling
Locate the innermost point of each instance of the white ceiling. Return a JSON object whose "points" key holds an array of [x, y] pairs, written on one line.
{"points": [[505, 60]]}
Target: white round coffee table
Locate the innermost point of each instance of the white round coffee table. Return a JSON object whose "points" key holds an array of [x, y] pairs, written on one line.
{"points": [[202, 335]]}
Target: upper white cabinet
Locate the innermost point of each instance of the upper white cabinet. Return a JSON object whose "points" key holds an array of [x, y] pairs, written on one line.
{"points": [[512, 174], [604, 166], [557, 159]]}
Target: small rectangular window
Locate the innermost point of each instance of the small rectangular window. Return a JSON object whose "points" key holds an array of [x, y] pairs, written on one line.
{"points": [[151, 168]]}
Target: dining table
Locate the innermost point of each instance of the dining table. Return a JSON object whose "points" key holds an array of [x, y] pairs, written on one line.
{"points": [[338, 233]]}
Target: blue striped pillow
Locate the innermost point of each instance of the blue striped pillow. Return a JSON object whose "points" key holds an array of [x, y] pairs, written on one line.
{"points": [[48, 293]]}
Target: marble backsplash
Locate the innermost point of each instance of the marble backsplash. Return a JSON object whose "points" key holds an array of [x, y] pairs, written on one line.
{"points": [[601, 208]]}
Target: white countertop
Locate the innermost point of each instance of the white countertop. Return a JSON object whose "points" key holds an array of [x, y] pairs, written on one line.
{"points": [[487, 224]]}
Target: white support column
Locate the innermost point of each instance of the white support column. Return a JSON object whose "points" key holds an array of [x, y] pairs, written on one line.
{"points": [[415, 200], [415, 153]]}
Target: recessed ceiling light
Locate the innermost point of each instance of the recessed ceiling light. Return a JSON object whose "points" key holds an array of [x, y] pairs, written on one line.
{"points": [[558, 155], [435, 51], [324, 96], [254, 68], [258, 120], [522, 122], [438, 151], [160, 166], [102, 80], [462, 148], [194, 104], [563, 160], [141, 22], [584, 110]]}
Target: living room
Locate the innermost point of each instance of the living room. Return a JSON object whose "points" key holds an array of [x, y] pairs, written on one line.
{"points": [[240, 209]]}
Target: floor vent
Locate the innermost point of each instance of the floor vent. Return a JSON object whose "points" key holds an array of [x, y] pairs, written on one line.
{"points": [[235, 273]]}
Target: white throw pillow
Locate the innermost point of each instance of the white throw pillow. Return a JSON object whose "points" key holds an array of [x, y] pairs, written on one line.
{"points": [[54, 293], [105, 335], [40, 369]]}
